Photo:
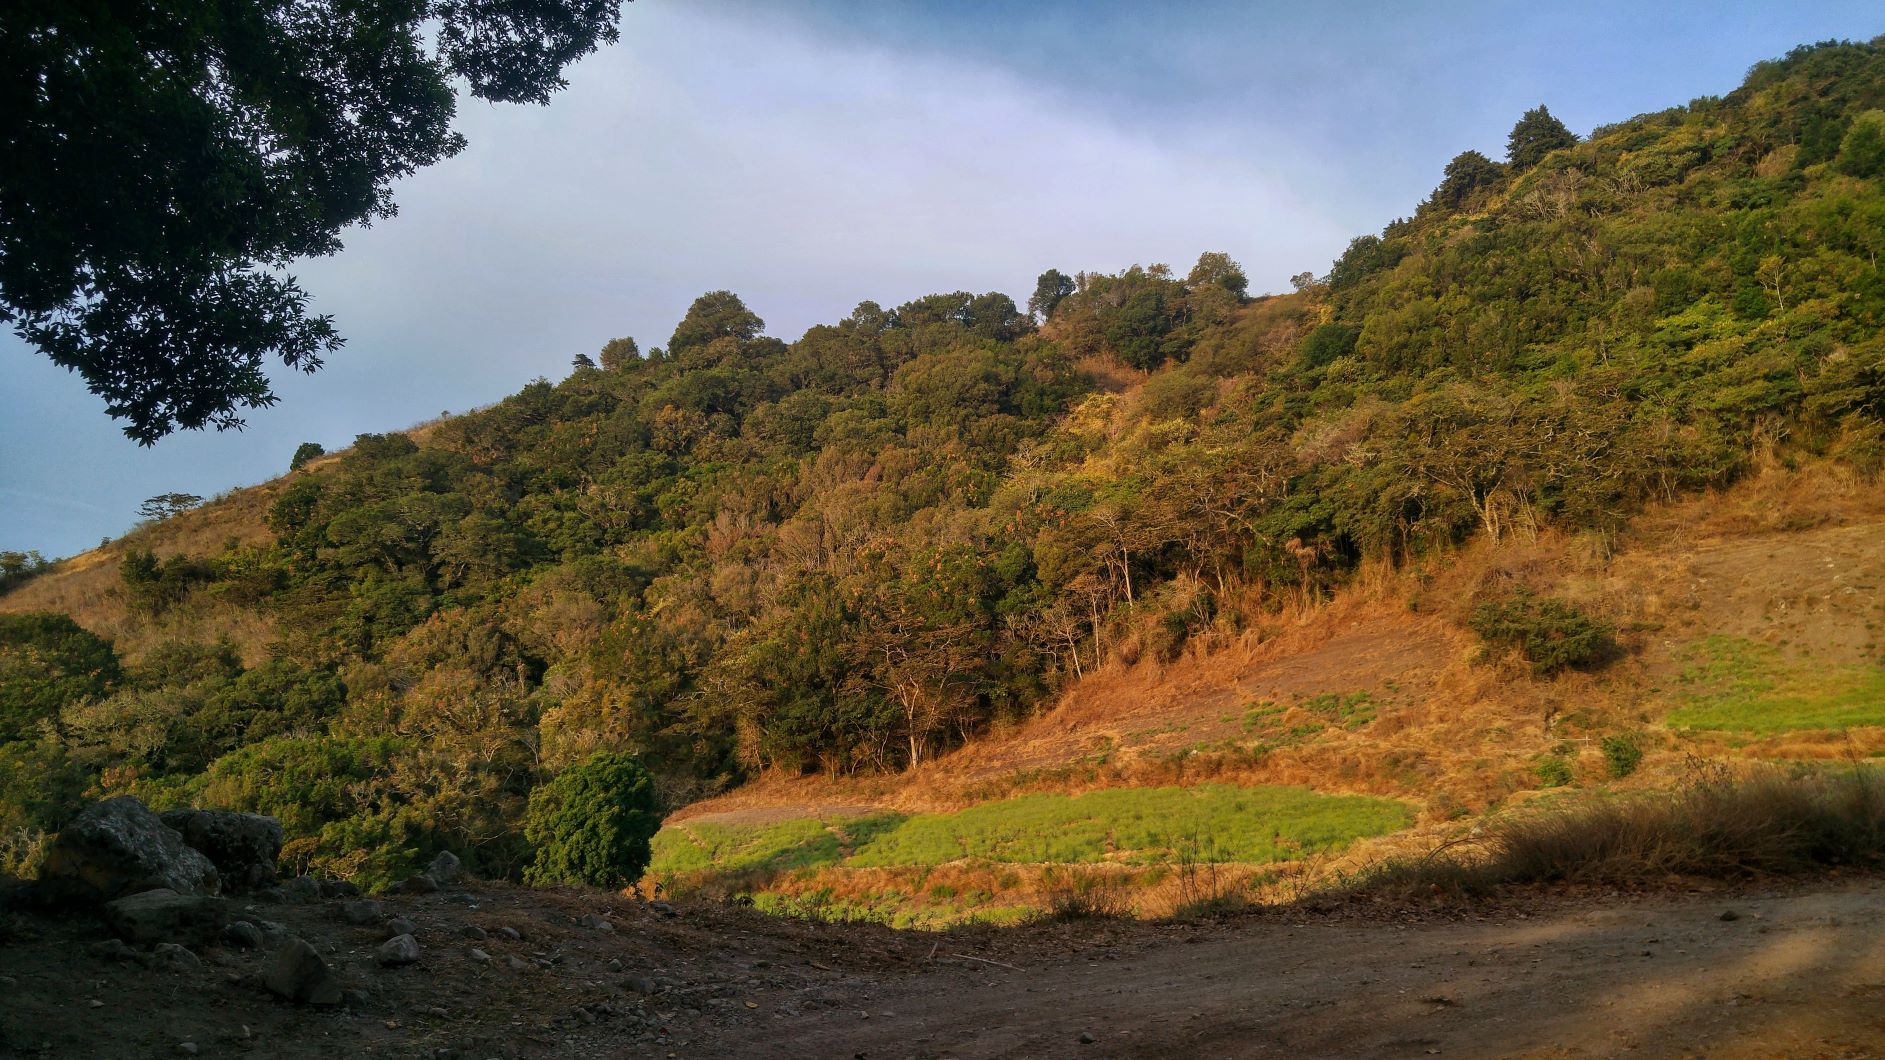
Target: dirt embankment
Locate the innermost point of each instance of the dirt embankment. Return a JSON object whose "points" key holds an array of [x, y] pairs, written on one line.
{"points": [[1788, 972]]}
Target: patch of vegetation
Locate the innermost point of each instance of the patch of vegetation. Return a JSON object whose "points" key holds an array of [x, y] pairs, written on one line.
{"points": [[1552, 770], [1551, 634], [592, 823], [1739, 685], [1350, 710], [1252, 825], [1623, 752], [1767, 823]]}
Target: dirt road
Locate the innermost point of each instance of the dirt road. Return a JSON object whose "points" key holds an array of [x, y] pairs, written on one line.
{"points": [[1798, 975], [508, 972]]}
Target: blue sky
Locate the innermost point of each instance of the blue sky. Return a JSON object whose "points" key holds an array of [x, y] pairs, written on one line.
{"points": [[809, 155]]}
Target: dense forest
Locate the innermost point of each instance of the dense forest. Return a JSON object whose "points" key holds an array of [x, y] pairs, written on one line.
{"points": [[731, 554]]}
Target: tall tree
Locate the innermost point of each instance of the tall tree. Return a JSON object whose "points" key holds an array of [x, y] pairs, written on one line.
{"points": [[1466, 175], [1050, 289], [1536, 135], [162, 163]]}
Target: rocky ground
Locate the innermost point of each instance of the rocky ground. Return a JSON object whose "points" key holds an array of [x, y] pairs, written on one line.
{"points": [[510, 972]]}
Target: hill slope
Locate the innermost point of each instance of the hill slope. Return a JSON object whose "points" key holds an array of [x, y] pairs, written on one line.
{"points": [[1190, 516]]}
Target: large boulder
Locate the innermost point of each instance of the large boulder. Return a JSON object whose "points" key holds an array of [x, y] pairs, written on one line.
{"points": [[445, 869], [118, 847], [242, 846], [299, 974], [163, 915]]}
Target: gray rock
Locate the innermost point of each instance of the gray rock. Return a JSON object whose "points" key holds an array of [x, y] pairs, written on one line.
{"points": [[175, 956], [361, 913], [112, 950], [420, 884], [339, 889], [511, 933], [398, 950], [615, 964], [118, 847], [462, 898], [242, 935], [301, 890], [473, 931], [518, 964], [242, 846], [187, 1048], [480, 956], [399, 925], [597, 923], [164, 915], [640, 985], [299, 974], [445, 869], [663, 908]]}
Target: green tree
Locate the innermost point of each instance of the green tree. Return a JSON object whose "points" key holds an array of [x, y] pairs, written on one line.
{"points": [[1536, 135], [160, 163], [1215, 268], [618, 354], [592, 823], [1050, 290], [1862, 152], [1468, 174], [305, 452], [165, 505], [46, 662]]}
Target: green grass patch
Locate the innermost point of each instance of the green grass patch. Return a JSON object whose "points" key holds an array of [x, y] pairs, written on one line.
{"points": [[800, 843], [1252, 825], [1742, 686]]}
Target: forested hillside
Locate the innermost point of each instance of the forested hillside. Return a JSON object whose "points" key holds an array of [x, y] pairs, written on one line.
{"points": [[732, 554]]}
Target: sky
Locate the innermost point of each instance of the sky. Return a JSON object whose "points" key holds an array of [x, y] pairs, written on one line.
{"points": [[812, 154]]}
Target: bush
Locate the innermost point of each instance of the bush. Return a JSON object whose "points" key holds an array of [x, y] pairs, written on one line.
{"points": [[1553, 771], [1550, 633], [592, 824], [1623, 752]]}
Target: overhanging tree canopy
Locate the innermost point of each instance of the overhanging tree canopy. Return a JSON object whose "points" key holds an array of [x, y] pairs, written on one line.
{"points": [[161, 164]]}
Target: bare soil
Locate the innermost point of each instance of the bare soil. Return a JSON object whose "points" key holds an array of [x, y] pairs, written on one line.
{"points": [[1795, 970]]}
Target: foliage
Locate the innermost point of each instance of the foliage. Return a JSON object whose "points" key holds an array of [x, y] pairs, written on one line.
{"points": [[305, 452], [1552, 771], [46, 662], [166, 505], [591, 824], [171, 158], [1536, 135], [1623, 752], [859, 550], [18, 568], [1549, 633]]}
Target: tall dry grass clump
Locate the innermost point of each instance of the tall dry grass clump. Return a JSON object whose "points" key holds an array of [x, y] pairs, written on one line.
{"points": [[1768, 822]]}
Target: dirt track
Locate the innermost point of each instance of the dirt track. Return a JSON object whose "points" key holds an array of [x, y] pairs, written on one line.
{"points": [[1794, 975], [1797, 972]]}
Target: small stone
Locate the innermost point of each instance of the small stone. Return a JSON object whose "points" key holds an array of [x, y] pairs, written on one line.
{"points": [[398, 950], [480, 956], [597, 923], [511, 933], [420, 884], [399, 925], [339, 889], [163, 915], [95, 1003], [1729, 914], [1086, 1038], [111, 950], [354, 998], [637, 984], [615, 964], [302, 889], [243, 935], [473, 931], [187, 1048], [663, 908], [176, 956], [518, 964], [461, 898]]}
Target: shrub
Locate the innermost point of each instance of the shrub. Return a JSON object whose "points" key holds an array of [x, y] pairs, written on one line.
{"points": [[592, 824], [1553, 771], [1550, 633], [1623, 752]]}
